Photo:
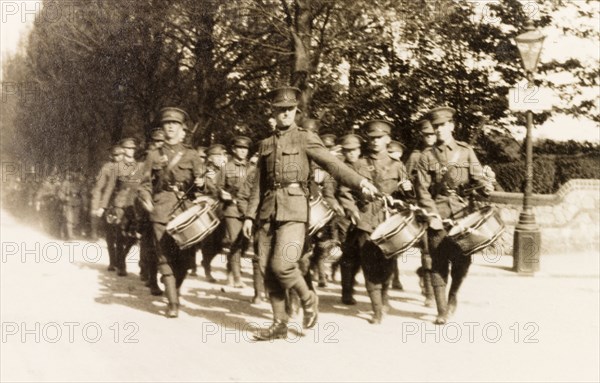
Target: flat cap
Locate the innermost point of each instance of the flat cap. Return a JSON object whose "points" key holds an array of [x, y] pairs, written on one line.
{"points": [[128, 143], [311, 124], [157, 134], [116, 150], [378, 128], [351, 141], [216, 149], [328, 140], [425, 126], [242, 141], [440, 115], [395, 146], [201, 150], [284, 96], [171, 113]]}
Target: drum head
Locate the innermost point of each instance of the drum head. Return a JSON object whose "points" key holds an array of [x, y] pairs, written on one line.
{"points": [[470, 221], [185, 217], [390, 224]]}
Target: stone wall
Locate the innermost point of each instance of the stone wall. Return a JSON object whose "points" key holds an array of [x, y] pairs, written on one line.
{"points": [[569, 219]]}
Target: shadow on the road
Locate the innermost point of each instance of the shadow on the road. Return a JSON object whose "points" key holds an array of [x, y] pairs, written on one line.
{"points": [[230, 308]]}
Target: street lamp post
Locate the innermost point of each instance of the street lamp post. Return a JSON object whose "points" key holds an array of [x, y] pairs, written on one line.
{"points": [[527, 238]]}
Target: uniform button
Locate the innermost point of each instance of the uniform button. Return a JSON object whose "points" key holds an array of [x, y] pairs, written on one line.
{"points": [[278, 146]]}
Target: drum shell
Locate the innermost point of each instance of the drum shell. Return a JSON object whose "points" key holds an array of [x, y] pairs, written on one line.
{"points": [[484, 232], [319, 215], [202, 220], [398, 233]]}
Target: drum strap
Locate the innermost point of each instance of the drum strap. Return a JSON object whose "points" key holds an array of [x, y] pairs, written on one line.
{"points": [[445, 177], [174, 161]]}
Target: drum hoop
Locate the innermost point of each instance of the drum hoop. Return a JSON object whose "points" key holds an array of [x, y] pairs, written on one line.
{"points": [[393, 231], [313, 229], [409, 245], [188, 221], [488, 242], [198, 238], [488, 211]]}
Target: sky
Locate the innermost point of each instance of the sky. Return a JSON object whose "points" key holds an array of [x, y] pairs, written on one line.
{"points": [[17, 19]]}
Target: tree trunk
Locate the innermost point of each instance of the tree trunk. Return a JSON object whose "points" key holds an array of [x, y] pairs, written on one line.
{"points": [[301, 37]]}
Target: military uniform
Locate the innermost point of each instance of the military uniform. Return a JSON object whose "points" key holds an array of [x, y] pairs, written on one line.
{"points": [[211, 246], [100, 199], [148, 255], [444, 171], [69, 195], [121, 213], [169, 177], [278, 205], [231, 179], [387, 174], [424, 272]]}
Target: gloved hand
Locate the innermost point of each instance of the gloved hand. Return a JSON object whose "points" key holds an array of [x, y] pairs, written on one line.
{"points": [[354, 216], [436, 223], [338, 210], [225, 195], [487, 190], [247, 228], [199, 181], [405, 185], [368, 189]]}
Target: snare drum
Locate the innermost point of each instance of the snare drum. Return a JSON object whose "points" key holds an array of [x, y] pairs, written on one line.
{"points": [[398, 233], [320, 214], [194, 224], [477, 230]]}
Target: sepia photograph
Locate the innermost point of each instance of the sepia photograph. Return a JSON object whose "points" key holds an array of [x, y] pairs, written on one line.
{"points": [[300, 190]]}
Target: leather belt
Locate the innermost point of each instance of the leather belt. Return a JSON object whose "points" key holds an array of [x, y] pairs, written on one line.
{"points": [[282, 185]]}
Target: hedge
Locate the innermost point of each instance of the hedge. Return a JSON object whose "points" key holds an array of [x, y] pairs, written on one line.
{"points": [[549, 173]]}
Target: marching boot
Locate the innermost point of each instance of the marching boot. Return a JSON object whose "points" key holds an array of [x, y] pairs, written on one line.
{"points": [[428, 289], [385, 300], [172, 296], [452, 303], [396, 284], [322, 271], [291, 303], [236, 270], [279, 328], [457, 280], [208, 271], [311, 310], [347, 285], [259, 284], [377, 304], [442, 306], [153, 285]]}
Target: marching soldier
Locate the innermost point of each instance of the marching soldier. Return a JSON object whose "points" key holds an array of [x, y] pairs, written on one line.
{"points": [[148, 253], [170, 175], [121, 214], [100, 200], [396, 150], [428, 139], [390, 176], [201, 150], [278, 206], [230, 180], [444, 171], [351, 144], [69, 195], [211, 246]]}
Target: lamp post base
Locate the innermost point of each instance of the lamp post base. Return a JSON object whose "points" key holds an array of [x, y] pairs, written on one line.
{"points": [[527, 245]]}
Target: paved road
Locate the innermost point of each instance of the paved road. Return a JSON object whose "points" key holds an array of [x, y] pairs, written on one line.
{"points": [[65, 318]]}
